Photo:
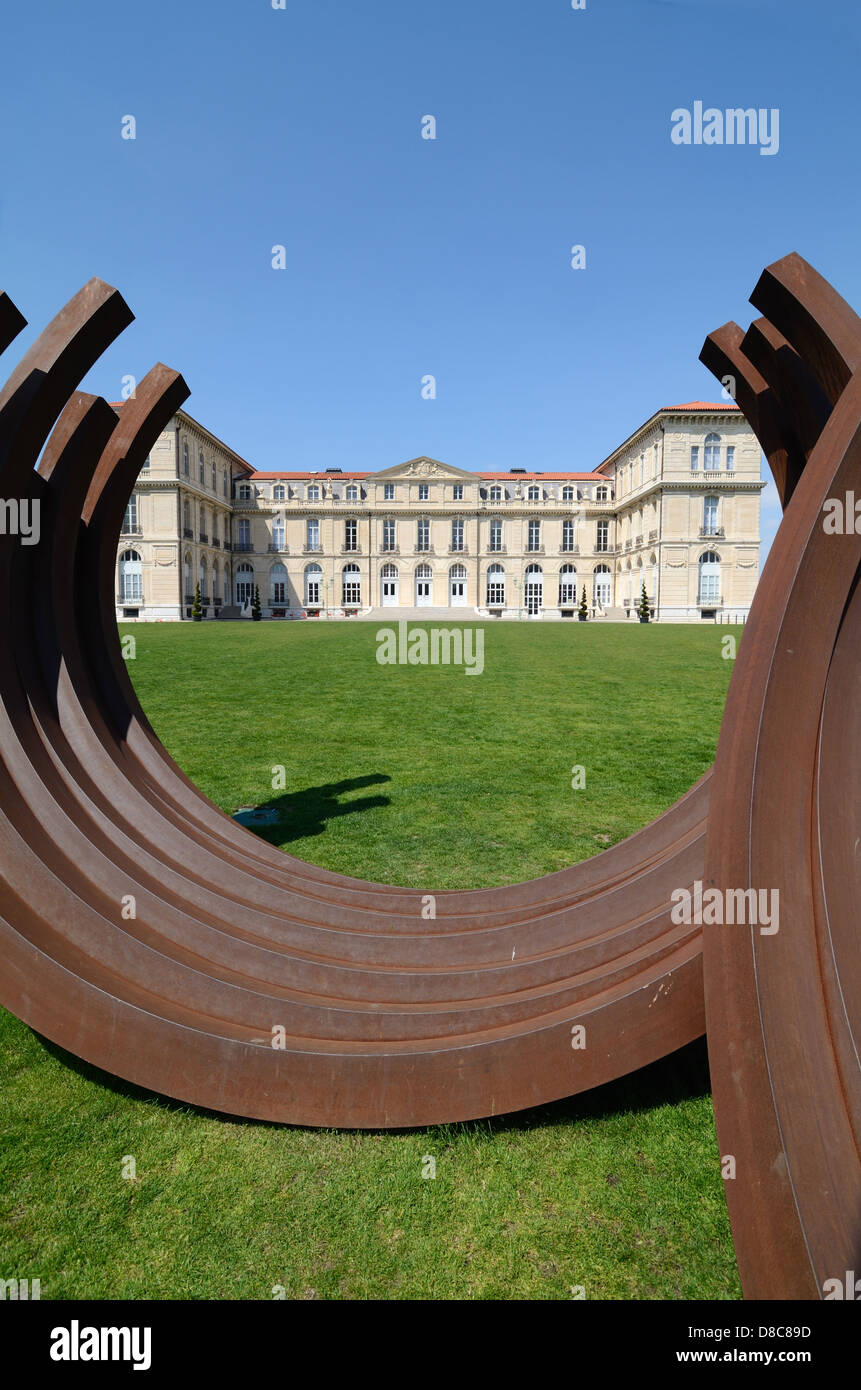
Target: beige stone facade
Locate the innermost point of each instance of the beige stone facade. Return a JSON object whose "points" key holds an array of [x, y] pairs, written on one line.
{"points": [[675, 507]]}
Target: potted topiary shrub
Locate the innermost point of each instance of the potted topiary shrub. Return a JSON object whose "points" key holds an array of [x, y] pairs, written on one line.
{"points": [[256, 612], [643, 606], [583, 611], [196, 610]]}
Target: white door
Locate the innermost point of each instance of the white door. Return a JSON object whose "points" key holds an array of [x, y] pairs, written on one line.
{"points": [[313, 593], [534, 590], [390, 593], [458, 592], [423, 592]]}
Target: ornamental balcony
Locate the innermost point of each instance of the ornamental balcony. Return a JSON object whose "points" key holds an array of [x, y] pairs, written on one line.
{"points": [[187, 533], [216, 542], [243, 547], [710, 602], [717, 532], [203, 538], [131, 530], [313, 549], [351, 549], [275, 548]]}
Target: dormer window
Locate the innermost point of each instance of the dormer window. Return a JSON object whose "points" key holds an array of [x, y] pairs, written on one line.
{"points": [[534, 494], [278, 492], [244, 492], [352, 493], [601, 494], [567, 493], [313, 493], [495, 493]]}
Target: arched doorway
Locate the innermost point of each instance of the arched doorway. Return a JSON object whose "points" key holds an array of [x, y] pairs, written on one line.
{"points": [[424, 583], [313, 582], [601, 586], [457, 586], [244, 585], [568, 586], [389, 586], [533, 591]]}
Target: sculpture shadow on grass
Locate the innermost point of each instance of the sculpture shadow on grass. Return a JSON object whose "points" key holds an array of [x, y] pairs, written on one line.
{"points": [[302, 814]]}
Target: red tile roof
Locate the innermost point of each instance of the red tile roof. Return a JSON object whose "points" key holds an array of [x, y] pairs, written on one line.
{"points": [[702, 405], [313, 477]]}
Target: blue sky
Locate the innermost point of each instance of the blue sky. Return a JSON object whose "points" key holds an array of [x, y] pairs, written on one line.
{"points": [[405, 256]]}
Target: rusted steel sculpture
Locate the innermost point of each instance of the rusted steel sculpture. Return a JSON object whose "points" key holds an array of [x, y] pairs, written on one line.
{"points": [[784, 1009], [146, 932], [386, 1018]]}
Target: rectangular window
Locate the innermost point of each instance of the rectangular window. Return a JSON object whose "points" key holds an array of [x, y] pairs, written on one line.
{"points": [[423, 535], [568, 535], [214, 478], [730, 457], [495, 591], [695, 457], [496, 535], [278, 535], [278, 591], [351, 591], [312, 529], [534, 540], [243, 535], [388, 492], [601, 537], [351, 538], [457, 492], [145, 463], [130, 520], [710, 512], [423, 492], [388, 535], [457, 535]]}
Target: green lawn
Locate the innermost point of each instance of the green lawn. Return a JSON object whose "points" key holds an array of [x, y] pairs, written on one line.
{"points": [[427, 777]]}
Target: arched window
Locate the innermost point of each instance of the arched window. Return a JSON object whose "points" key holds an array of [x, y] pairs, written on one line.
{"points": [[131, 577], [204, 592], [352, 493], [533, 494], [568, 493], [495, 493], [186, 575], [244, 585], [351, 586], [567, 586], [313, 582], [712, 454], [278, 584], [709, 584], [389, 571], [496, 586], [313, 493], [601, 586], [278, 492]]}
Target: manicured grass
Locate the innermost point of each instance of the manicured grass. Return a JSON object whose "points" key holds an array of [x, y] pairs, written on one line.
{"points": [[618, 1190], [425, 776]]}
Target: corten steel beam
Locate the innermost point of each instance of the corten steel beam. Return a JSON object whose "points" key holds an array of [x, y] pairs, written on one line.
{"points": [[389, 1019], [784, 1009]]}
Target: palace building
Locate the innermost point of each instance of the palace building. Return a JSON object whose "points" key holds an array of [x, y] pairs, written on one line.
{"points": [[675, 507]]}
